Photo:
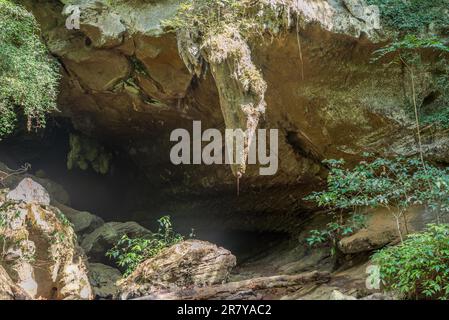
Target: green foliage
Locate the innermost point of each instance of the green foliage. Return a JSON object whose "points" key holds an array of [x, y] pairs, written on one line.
{"points": [[336, 230], [395, 184], [418, 268], [129, 253], [413, 15], [85, 152], [28, 76], [412, 42]]}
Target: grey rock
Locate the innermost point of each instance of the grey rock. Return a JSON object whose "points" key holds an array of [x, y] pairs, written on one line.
{"points": [[103, 280], [97, 243], [30, 191], [83, 222]]}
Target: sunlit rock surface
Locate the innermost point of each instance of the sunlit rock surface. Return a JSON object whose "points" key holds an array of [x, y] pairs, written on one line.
{"points": [[188, 263], [40, 250]]}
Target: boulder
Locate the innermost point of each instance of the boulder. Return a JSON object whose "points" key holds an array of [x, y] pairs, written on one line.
{"points": [[103, 280], [35, 232], [14, 177], [188, 263], [380, 230], [9, 290], [83, 222], [98, 242], [30, 191]]}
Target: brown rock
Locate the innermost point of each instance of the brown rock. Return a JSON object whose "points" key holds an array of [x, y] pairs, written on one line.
{"points": [[9, 290], [40, 233], [188, 263]]}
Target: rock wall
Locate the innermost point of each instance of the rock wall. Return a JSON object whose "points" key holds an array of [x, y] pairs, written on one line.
{"points": [[125, 82]]}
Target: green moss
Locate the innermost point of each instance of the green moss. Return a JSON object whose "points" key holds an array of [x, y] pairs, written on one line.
{"points": [[85, 153], [28, 76]]}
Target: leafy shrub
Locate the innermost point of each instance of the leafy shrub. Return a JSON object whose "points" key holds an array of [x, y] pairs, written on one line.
{"points": [[413, 15], [419, 267], [411, 43], [129, 253], [336, 230], [394, 184], [28, 76]]}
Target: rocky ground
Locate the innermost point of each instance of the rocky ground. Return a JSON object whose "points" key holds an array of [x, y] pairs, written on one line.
{"points": [[51, 251]]}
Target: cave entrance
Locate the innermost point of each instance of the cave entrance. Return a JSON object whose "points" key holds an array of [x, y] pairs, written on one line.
{"points": [[103, 195], [126, 194]]}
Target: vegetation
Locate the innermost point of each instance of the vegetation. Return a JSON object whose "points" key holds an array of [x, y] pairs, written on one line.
{"points": [[394, 184], [85, 152], [130, 252], [417, 23], [336, 230], [413, 16], [28, 76], [247, 16], [418, 268]]}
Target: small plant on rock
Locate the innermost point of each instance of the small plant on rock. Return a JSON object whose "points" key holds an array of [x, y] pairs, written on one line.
{"points": [[130, 252]]}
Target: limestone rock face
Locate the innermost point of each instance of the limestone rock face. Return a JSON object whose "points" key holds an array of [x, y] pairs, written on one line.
{"points": [[83, 222], [29, 191], [40, 250], [103, 280], [56, 191], [97, 243], [381, 230], [188, 263], [125, 82], [9, 290]]}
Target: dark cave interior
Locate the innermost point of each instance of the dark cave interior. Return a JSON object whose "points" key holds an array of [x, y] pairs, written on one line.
{"points": [[124, 194]]}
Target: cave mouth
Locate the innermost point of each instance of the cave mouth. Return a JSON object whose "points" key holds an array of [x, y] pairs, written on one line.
{"points": [[123, 193]]}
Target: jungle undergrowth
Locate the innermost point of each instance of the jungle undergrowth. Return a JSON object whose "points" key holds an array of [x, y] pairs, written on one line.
{"points": [[130, 252]]}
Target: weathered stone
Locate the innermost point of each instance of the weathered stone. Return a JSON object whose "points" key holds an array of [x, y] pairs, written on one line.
{"points": [[83, 222], [164, 68], [381, 230], [103, 280], [99, 70], [103, 27], [97, 243], [40, 233], [30, 191], [14, 177], [9, 290], [188, 263], [337, 295]]}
